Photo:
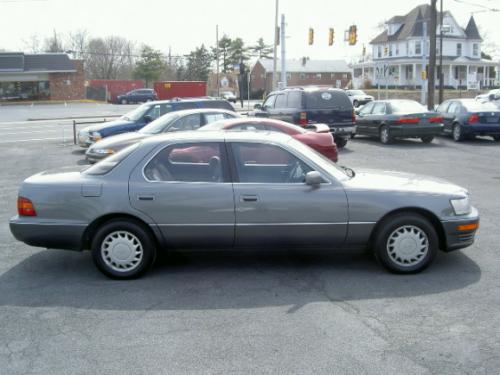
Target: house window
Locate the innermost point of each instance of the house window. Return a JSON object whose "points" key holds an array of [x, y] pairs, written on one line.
{"points": [[475, 49], [397, 49], [289, 76], [379, 52], [390, 50], [459, 49], [302, 76], [418, 48], [332, 75], [318, 75], [344, 76]]}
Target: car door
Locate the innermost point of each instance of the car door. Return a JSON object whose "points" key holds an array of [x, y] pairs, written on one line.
{"points": [[362, 119], [274, 206], [185, 189], [442, 109], [375, 118], [280, 107], [266, 107], [450, 116]]}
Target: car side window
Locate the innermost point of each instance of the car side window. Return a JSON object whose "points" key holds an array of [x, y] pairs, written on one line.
{"points": [[269, 103], [379, 109], [294, 99], [366, 109], [280, 101], [154, 112], [266, 163], [185, 123], [454, 108], [165, 108], [188, 162], [212, 117], [443, 107]]}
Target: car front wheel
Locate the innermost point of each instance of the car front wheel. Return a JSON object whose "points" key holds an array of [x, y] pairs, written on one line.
{"points": [[340, 141], [406, 243], [123, 249], [124, 101], [355, 104]]}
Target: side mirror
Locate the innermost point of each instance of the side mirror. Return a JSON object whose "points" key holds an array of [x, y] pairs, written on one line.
{"points": [[148, 118], [257, 106], [313, 178]]}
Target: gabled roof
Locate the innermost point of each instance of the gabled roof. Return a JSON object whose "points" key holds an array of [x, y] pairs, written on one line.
{"points": [[471, 30], [308, 66], [43, 62]]}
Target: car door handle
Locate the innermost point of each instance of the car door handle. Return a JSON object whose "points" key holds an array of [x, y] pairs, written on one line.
{"points": [[249, 198], [146, 197]]}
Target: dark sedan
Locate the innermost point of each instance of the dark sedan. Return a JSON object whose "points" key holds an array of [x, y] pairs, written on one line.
{"points": [[137, 96], [391, 119], [466, 118]]}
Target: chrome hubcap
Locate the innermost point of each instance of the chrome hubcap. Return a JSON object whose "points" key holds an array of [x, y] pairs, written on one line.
{"points": [[121, 251], [385, 135], [456, 132], [407, 245]]}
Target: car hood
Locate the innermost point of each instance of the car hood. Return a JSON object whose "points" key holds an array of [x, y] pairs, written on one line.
{"points": [[109, 124], [119, 140], [368, 179]]}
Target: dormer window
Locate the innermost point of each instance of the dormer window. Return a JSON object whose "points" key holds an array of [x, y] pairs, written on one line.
{"points": [[459, 49], [418, 47], [475, 49]]}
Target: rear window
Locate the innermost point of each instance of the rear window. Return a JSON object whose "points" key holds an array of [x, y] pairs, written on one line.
{"points": [[474, 106], [407, 106], [106, 165], [328, 100]]}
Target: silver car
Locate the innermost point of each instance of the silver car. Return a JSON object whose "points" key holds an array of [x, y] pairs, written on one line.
{"points": [[233, 190]]}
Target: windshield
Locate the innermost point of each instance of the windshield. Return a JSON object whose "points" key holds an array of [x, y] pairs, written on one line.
{"points": [[333, 169], [474, 106], [356, 92], [137, 113], [106, 165], [328, 99], [407, 106], [159, 125]]}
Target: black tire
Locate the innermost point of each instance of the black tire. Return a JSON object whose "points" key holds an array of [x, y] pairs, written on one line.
{"points": [[385, 135], [124, 101], [496, 138], [427, 139], [457, 133], [414, 227], [136, 234], [355, 104], [340, 141]]}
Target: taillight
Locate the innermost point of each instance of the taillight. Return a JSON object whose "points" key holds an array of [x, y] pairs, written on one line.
{"points": [[353, 116], [473, 119], [436, 120], [408, 120], [303, 118], [25, 207]]}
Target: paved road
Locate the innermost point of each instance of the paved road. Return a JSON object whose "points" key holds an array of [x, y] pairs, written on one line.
{"points": [[257, 313]]}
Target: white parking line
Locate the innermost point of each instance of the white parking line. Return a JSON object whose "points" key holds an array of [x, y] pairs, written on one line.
{"points": [[37, 139]]}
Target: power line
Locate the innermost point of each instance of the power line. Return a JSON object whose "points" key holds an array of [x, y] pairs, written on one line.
{"points": [[486, 8]]}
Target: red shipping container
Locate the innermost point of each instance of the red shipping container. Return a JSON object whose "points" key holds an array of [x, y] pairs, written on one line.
{"points": [[180, 89], [116, 87]]}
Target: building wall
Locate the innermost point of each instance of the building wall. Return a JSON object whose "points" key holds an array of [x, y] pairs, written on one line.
{"points": [[258, 79], [68, 86]]}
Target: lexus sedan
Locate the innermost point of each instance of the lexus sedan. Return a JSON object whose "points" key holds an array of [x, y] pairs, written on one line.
{"points": [[466, 118], [316, 136], [190, 119], [392, 119], [250, 190]]}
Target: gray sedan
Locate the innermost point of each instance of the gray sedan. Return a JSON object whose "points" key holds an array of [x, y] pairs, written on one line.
{"points": [[190, 119], [234, 190]]}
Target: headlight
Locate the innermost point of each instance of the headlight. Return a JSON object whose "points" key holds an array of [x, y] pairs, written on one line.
{"points": [[461, 206], [96, 136], [103, 151]]}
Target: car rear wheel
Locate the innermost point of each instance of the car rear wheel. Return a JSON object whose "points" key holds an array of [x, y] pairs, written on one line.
{"points": [[340, 141], [385, 135], [123, 249], [124, 101], [406, 243], [457, 133], [427, 139], [355, 104]]}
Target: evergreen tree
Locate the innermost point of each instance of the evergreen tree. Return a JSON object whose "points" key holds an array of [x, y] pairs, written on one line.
{"points": [[262, 50], [198, 64], [150, 65]]}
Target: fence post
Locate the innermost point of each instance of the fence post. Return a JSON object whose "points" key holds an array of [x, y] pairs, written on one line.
{"points": [[74, 132]]}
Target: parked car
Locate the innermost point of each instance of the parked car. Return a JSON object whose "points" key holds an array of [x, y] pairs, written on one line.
{"points": [[310, 105], [392, 119], [137, 96], [492, 96], [143, 115], [189, 119], [249, 189], [229, 96], [318, 136], [358, 97], [466, 118]]}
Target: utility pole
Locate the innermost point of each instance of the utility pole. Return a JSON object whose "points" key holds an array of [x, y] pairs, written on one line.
{"points": [[424, 60], [275, 50], [431, 79], [217, 57], [441, 74], [283, 57]]}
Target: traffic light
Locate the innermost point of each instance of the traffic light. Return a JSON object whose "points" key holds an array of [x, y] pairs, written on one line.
{"points": [[331, 36], [386, 51], [311, 36], [353, 35], [424, 75]]}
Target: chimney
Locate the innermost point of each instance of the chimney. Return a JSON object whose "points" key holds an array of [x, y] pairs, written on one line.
{"points": [[304, 61]]}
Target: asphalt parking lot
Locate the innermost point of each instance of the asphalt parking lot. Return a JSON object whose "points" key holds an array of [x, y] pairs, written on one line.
{"points": [[289, 313]]}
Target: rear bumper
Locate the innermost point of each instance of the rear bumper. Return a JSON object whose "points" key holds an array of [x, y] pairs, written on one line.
{"points": [[330, 152], [342, 129], [51, 235], [458, 239], [481, 129], [406, 131]]}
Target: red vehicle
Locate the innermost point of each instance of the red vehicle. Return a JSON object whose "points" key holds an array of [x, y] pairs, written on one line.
{"points": [[318, 137], [180, 89]]}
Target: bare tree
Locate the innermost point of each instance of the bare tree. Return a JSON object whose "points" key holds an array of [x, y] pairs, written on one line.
{"points": [[53, 43], [78, 43], [109, 58], [32, 44]]}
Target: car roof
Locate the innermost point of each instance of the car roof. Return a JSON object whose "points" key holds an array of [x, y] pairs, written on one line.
{"points": [[184, 100], [307, 89], [184, 112]]}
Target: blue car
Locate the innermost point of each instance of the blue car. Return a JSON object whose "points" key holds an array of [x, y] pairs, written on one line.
{"points": [[137, 96], [467, 118], [144, 114]]}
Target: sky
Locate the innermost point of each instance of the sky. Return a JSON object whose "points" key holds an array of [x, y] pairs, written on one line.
{"points": [[183, 25]]}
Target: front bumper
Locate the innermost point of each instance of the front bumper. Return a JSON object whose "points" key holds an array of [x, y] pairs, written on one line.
{"points": [[84, 139], [48, 234], [342, 129], [458, 239], [408, 131], [93, 157]]}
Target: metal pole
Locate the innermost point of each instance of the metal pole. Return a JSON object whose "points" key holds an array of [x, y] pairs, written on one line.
{"points": [[283, 62], [441, 74], [74, 132], [248, 91], [275, 49], [431, 79], [217, 56], [424, 61]]}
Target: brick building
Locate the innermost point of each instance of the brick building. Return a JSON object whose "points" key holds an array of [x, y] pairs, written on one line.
{"points": [[301, 72], [40, 76]]}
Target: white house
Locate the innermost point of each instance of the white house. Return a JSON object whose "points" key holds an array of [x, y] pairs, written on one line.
{"points": [[398, 54]]}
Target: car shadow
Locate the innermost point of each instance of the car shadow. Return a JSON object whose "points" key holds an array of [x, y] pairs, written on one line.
{"points": [[194, 281], [404, 142], [80, 151], [477, 141]]}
